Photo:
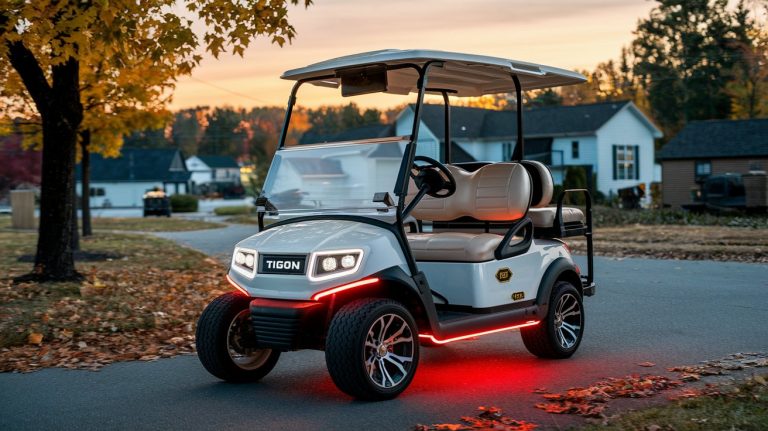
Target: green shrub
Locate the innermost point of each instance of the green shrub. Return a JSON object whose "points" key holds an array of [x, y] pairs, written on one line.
{"points": [[183, 203], [233, 210]]}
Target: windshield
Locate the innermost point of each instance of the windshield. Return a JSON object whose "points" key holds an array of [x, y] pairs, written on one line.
{"points": [[334, 177]]}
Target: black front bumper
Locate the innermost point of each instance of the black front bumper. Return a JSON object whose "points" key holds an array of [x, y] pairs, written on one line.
{"points": [[288, 325]]}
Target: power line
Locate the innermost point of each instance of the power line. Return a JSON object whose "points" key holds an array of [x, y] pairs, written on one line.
{"points": [[210, 84]]}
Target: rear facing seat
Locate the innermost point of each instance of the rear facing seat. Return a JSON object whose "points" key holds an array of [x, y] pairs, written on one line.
{"points": [[498, 192], [541, 214]]}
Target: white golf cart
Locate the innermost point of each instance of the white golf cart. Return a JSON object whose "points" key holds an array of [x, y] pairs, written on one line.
{"points": [[369, 249]]}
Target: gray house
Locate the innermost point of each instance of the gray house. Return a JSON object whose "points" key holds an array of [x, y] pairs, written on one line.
{"points": [[711, 147]]}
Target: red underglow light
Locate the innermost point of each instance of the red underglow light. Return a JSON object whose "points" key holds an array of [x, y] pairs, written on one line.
{"points": [[324, 293], [238, 287], [477, 334]]}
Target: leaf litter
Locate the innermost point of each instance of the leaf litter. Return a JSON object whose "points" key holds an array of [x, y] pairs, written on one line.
{"points": [[592, 401]]}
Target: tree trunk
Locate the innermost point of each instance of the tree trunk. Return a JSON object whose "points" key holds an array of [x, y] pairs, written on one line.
{"points": [[54, 260], [85, 165], [58, 103], [75, 231]]}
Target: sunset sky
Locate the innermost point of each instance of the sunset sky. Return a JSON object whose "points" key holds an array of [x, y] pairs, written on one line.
{"points": [[573, 34]]}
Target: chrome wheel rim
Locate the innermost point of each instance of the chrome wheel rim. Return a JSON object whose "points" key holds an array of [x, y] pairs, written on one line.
{"points": [[244, 357], [389, 350], [568, 321]]}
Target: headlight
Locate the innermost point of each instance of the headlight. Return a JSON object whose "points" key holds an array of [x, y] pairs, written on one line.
{"points": [[331, 264], [244, 261]]}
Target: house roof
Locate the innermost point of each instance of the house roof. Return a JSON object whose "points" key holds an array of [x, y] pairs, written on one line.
{"points": [[219, 161], [465, 74], [478, 123], [718, 139], [356, 134], [139, 164]]}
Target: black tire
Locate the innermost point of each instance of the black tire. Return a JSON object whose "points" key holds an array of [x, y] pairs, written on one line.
{"points": [[551, 339], [347, 353], [227, 354]]}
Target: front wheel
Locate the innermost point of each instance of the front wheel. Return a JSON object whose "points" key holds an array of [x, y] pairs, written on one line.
{"points": [[372, 349], [226, 341], [559, 333]]}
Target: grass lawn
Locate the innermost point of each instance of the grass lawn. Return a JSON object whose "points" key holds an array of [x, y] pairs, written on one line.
{"points": [[679, 242], [141, 304], [738, 407], [149, 224]]}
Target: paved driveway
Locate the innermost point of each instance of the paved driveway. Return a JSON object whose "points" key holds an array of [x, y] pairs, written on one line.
{"points": [[667, 312]]}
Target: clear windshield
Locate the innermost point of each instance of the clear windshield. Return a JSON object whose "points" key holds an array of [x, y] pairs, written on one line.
{"points": [[334, 177]]}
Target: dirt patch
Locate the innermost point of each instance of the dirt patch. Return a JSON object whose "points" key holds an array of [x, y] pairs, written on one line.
{"points": [[678, 242]]}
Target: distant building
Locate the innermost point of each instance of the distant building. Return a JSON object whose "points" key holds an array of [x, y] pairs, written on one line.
{"points": [[711, 147], [213, 173], [122, 181], [614, 140]]}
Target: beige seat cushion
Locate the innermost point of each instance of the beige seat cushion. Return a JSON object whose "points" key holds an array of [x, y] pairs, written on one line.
{"points": [[545, 217], [454, 246], [495, 192]]}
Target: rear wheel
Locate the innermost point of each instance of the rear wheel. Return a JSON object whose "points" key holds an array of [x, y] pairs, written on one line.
{"points": [[372, 349], [226, 341], [559, 333]]}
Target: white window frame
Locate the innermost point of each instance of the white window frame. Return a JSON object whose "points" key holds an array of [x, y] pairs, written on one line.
{"points": [[624, 166]]}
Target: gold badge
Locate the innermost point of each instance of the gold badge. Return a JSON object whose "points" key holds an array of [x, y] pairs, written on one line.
{"points": [[503, 275], [518, 296]]}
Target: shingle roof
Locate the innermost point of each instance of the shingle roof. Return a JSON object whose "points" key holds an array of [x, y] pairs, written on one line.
{"points": [[718, 139], [137, 164], [219, 161], [474, 123]]}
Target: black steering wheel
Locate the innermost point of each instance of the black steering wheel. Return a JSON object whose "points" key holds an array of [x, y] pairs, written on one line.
{"points": [[434, 175]]}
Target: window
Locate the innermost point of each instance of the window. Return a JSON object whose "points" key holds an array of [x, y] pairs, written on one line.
{"points": [[703, 168], [574, 149], [506, 151], [626, 165], [96, 191]]}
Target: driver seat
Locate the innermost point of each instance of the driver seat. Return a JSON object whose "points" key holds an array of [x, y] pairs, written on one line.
{"points": [[499, 192]]}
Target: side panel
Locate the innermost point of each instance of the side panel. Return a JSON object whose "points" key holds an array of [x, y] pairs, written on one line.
{"points": [[476, 284]]}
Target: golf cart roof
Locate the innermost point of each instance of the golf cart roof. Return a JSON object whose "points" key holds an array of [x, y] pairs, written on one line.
{"points": [[463, 74]]}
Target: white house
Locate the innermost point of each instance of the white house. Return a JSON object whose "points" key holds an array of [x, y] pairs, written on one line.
{"points": [[613, 140], [210, 173], [122, 181]]}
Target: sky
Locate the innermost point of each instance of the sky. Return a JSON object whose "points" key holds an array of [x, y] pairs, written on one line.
{"points": [[572, 34]]}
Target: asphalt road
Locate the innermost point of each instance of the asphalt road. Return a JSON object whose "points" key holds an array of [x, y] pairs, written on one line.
{"points": [[667, 312]]}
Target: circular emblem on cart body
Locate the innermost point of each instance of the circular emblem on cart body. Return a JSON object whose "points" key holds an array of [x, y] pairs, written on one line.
{"points": [[503, 275]]}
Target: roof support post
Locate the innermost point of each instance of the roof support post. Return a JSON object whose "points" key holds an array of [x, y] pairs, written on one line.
{"points": [[447, 143], [519, 152]]}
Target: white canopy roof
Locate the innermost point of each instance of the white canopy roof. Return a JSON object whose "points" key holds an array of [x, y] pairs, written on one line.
{"points": [[466, 74]]}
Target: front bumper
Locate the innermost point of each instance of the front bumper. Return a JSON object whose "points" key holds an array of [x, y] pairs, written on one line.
{"points": [[288, 325]]}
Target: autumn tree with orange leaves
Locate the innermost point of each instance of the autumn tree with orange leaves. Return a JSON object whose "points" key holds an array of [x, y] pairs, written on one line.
{"points": [[52, 44]]}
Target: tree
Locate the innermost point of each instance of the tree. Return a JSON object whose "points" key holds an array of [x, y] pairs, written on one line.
{"points": [[683, 54], [45, 42], [749, 88]]}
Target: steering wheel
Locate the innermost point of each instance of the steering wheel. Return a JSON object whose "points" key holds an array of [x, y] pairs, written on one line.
{"points": [[434, 175]]}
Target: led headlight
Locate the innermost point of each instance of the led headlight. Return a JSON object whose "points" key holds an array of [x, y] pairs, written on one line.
{"points": [[331, 264], [244, 261]]}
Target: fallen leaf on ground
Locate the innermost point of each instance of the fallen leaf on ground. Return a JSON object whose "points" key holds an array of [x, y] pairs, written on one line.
{"points": [[489, 418]]}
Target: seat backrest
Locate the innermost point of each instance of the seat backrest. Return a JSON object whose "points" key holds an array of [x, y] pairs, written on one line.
{"points": [[541, 181], [495, 192]]}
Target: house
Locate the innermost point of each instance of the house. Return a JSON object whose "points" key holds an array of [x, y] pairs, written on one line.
{"points": [[613, 140], [710, 147], [122, 181], [213, 173]]}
